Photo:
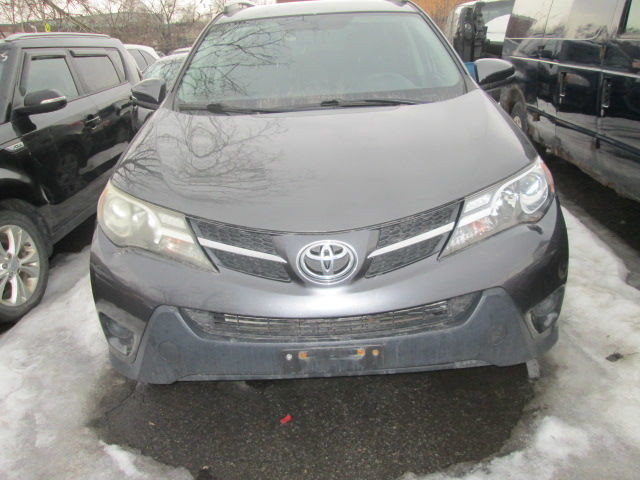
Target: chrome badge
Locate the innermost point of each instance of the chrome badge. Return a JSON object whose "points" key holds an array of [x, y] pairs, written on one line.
{"points": [[327, 261]]}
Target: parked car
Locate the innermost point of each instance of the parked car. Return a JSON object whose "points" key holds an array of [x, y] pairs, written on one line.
{"points": [[143, 55], [66, 117], [578, 85], [326, 191], [167, 69], [180, 50]]}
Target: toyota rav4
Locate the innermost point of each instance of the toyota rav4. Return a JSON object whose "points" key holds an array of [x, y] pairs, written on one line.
{"points": [[326, 190]]}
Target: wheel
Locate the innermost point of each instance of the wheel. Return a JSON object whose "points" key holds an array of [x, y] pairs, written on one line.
{"points": [[519, 116], [24, 265]]}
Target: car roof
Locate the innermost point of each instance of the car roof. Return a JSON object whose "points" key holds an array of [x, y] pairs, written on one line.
{"points": [[61, 39], [173, 57], [146, 48], [316, 7]]}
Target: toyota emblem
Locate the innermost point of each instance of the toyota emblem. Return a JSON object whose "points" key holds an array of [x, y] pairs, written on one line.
{"points": [[327, 261]]}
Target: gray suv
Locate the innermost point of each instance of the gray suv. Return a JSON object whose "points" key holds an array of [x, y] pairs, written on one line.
{"points": [[326, 190]]}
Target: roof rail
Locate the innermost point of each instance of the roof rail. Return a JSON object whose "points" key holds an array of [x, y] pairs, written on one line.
{"points": [[22, 36], [234, 7]]}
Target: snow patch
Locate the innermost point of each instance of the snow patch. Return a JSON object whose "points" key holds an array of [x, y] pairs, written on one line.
{"points": [[53, 371], [123, 459], [587, 408]]}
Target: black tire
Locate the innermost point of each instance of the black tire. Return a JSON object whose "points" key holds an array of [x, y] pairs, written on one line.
{"points": [[519, 116], [9, 313]]}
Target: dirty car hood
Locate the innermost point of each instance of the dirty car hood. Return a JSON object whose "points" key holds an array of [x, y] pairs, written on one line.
{"points": [[322, 170]]}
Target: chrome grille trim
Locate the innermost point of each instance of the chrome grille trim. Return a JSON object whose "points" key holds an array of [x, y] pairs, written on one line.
{"points": [[436, 232], [239, 250]]}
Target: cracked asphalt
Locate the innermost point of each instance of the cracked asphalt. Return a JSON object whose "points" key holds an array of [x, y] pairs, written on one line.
{"points": [[358, 427]]}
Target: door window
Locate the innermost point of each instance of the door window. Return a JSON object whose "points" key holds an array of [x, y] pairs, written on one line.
{"points": [[529, 18], [98, 72], [579, 19], [148, 58], [137, 56], [50, 73], [117, 61], [632, 24]]}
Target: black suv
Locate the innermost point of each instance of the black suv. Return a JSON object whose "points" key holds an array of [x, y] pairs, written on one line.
{"points": [[65, 118], [578, 84]]}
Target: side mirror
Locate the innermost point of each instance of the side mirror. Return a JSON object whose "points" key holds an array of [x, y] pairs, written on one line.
{"points": [[149, 93], [42, 101], [494, 72]]}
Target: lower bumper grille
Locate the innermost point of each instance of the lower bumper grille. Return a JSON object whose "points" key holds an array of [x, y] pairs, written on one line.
{"points": [[433, 316]]}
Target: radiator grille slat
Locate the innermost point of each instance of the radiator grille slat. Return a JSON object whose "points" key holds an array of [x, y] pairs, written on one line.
{"points": [[408, 228], [405, 228], [251, 265], [439, 315]]}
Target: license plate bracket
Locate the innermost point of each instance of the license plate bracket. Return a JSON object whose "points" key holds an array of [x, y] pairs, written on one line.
{"points": [[332, 360]]}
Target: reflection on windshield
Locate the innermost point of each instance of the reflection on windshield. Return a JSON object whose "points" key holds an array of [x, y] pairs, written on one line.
{"points": [[283, 62]]}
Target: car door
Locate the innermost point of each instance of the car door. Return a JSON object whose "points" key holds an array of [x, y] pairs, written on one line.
{"points": [[619, 153], [60, 142], [571, 75], [103, 77]]}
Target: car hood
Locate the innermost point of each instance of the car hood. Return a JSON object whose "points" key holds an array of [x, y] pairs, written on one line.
{"points": [[322, 170]]}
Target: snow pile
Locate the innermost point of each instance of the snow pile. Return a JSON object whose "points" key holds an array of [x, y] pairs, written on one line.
{"points": [[54, 370], [587, 408]]}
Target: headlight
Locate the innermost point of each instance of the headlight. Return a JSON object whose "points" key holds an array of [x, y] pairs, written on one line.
{"points": [[524, 198], [129, 222]]}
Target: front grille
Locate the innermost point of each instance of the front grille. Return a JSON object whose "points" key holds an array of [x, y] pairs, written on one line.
{"points": [[434, 316], [256, 240], [404, 228], [404, 256], [263, 242], [252, 266], [238, 237], [407, 228]]}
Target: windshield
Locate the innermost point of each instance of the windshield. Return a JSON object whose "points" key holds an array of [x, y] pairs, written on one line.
{"points": [[294, 61], [165, 70]]}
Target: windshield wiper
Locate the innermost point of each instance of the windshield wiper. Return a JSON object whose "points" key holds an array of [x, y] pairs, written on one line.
{"points": [[223, 108], [365, 102]]}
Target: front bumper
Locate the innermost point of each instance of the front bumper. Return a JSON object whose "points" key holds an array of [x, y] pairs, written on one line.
{"points": [[514, 271]]}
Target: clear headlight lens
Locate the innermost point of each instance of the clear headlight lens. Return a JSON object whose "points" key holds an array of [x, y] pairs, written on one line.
{"points": [[129, 222], [523, 198]]}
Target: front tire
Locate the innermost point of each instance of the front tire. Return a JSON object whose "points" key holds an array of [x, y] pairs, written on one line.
{"points": [[24, 265], [519, 117]]}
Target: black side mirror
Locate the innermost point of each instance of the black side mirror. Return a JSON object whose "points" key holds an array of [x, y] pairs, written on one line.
{"points": [[149, 93], [42, 101], [494, 72]]}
